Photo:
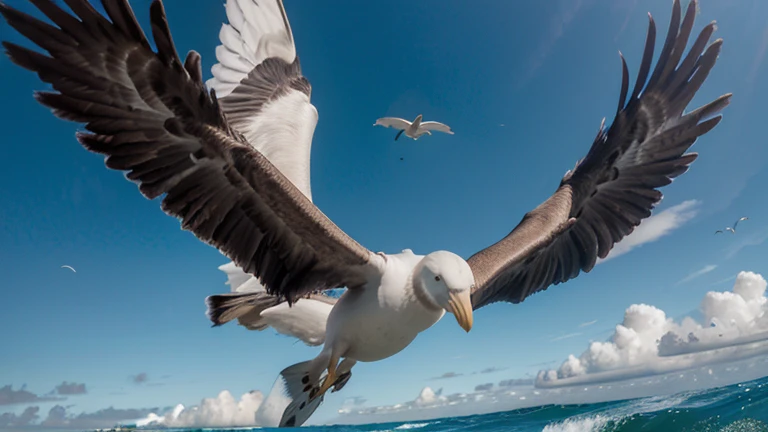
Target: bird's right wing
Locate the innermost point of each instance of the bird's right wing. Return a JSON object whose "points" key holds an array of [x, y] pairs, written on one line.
{"points": [[617, 184], [261, 89], [151, 115], [740, 219], [436, 126], [393, 122]]}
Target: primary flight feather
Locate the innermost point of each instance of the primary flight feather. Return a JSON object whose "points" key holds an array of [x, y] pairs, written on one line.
{"points": [[232, 164]]}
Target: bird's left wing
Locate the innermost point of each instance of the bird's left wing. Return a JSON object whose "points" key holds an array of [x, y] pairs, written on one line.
{"points": [[261, 89], [616, 185], [393, 122], [151, 115], [436, 126]]}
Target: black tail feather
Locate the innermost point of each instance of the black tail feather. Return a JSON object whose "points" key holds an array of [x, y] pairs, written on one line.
{"points": [[223, 308]]}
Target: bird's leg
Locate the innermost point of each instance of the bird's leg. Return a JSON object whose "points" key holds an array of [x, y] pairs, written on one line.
{"points": [[344, 372], [330, 379]]}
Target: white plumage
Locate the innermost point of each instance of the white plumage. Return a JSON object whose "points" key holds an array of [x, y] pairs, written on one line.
{"points": [[306, 320], [255, 32], [414, 129]]}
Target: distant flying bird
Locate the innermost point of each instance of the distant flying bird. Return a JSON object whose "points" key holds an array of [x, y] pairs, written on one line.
{"points": [[413, 130], [69, 267], [737, 222], [732, 230], [233, 165]]}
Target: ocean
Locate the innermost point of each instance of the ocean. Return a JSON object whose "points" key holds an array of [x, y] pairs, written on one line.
{"points": [[737, 408]]}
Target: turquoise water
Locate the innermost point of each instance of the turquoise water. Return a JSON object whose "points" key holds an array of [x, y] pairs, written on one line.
{"points": [[737, 408]]}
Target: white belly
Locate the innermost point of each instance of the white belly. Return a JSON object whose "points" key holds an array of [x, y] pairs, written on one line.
{"points": [[377, 322]]}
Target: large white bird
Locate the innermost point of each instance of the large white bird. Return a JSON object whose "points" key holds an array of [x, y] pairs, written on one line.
{"points": [[413, 129], [233, 165]]}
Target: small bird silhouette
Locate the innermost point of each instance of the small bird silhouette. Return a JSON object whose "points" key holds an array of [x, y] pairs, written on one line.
{"points": [[732, 230]]}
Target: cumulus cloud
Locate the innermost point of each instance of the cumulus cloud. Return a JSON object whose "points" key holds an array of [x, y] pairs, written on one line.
{"points": [[9, 396], [655, 227], [67, 388], [8, 420], [59, 417], [519, 393], [352, 403], [428, 397], [701, 272], [221, 411], [647, 342]]}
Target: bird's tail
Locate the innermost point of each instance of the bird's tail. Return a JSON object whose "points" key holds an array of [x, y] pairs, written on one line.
{"points": [[299, 387], [246, 307]]}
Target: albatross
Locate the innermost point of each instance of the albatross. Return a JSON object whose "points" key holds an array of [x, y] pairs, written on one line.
{"points": [[414, 129], [230, 159]]}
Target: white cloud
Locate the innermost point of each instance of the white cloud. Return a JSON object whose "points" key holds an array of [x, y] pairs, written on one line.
{"points": [[587, 324], [428, 397], [655, 227], [648, 343], [61, 418], [701, 272], [514, 394], [566, 336], [221, 411]]}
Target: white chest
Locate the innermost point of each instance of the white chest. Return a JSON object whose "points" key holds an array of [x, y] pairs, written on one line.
{"points": [[377, 322]]}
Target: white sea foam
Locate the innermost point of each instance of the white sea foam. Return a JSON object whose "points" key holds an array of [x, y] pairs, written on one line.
{"points": [[593, 423]]}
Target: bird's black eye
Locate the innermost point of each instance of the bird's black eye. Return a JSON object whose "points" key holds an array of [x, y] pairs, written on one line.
{"points": [[437, 278]]}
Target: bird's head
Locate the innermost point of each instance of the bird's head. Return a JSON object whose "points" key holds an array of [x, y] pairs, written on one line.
{"points": [[443, 279]]}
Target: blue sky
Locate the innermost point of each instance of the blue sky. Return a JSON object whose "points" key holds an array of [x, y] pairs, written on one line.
{"points": [[548, 71]]}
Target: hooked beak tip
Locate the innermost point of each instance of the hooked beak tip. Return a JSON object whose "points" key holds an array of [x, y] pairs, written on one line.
{"points": [[460, 305]]}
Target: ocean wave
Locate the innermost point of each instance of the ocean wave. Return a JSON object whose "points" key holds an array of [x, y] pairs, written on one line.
{"points": [[412, 426], [595, 423]]}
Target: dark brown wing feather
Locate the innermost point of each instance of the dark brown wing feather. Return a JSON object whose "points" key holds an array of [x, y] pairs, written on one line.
{"points": [[616, 185], [152, 117]]}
